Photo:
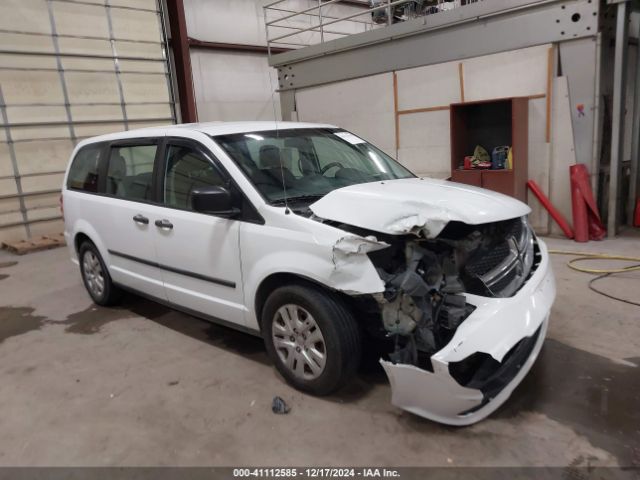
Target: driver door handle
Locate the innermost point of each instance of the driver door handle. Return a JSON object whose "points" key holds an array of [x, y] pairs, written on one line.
{"points": [[141, 219], [164, 223]]}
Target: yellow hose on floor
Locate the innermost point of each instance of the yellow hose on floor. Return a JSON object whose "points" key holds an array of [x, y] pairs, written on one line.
{"points": [[601, 273], [582, 256]]}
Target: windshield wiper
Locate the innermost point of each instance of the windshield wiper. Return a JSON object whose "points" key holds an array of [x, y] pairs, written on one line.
{"points": [[298, 198]]}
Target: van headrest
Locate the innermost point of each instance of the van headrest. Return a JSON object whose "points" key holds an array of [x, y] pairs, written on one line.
{"points": [[117, 167], [270, 156]]}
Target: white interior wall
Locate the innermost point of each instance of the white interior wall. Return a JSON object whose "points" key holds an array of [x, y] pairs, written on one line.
{"points": [[540, 164], [430, 86], [242, 21], [234, 85], [424, 143], [228, 21], [365, 106], [518, 73], [562, 151], [425, 146]]}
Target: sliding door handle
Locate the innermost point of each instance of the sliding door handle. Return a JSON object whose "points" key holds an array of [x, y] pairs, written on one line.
{"points": [[141, 219], [164, 224]]}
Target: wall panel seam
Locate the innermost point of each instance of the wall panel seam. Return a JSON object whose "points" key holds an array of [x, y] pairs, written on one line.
{"points": [[83, 122], [14, 162], [78, 55], [123, 7], [63, 83], [116, 64], [78, 70], [79, 37], [28, 222]]}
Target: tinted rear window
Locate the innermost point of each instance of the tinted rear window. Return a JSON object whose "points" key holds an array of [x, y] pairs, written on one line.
{"points": [[130, 172], [83, 174]]}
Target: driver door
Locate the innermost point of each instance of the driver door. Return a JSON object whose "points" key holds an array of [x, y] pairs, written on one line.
{"points": [[198, 252]]}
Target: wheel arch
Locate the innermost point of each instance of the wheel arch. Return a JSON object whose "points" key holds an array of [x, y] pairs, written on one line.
{"points": [[280, 279], [79, 239], [81, 231]]}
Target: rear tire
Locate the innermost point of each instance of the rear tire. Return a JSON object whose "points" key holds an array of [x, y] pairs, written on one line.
{"points": [[96, 277], [312, 338]]}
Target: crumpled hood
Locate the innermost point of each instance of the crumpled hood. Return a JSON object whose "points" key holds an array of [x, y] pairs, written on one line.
{"points": [[415, 205]]}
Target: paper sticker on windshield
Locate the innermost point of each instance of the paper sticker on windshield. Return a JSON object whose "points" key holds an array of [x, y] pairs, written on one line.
{"points": [[349, 137]]}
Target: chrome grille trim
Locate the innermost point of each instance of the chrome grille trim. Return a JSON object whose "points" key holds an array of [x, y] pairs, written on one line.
{"points": [[516, 265]]}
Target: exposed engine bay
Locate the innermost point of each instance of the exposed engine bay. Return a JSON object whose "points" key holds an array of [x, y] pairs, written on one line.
{"points": [[426, 279], [459, 308]]}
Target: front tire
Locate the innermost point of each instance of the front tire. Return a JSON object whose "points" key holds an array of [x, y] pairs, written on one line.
{"points": [[312, 338], [96, 277]]}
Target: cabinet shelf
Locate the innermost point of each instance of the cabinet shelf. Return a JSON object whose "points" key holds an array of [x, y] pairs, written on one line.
{"points": [[490, 124]]}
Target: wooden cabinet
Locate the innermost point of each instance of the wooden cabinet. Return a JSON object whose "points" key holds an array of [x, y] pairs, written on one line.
{"points": [[490, 124]]}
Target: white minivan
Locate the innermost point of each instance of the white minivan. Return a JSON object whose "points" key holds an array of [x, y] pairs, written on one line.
{"points": [[318, 241]]}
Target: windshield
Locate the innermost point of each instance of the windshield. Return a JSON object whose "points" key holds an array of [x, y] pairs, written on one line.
{"points": [[307, 162]]}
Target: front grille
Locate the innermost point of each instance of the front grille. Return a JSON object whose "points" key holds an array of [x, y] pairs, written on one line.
{"points": [[500, 271], [503, 282], [516, 228], [485, 261]]}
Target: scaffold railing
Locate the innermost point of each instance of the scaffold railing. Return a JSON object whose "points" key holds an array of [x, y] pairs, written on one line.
{"points": [[300, 23]]}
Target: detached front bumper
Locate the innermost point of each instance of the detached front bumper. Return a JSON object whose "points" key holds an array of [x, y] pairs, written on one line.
{"points": [[510, 331]]}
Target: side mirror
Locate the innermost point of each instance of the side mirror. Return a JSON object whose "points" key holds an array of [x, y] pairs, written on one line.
{"points": [[214, 200]]}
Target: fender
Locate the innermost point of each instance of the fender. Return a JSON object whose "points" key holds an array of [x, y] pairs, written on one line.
{"points": [[335, 259], [81, 226]]}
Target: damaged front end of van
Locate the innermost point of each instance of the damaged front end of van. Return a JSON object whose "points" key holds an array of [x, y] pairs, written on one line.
{"points": [[465, 304]]}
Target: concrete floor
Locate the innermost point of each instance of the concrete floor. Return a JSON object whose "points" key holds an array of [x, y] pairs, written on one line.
{"points": [[144, 385]]}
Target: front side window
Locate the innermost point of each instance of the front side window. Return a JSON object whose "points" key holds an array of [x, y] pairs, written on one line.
{"points": [[130, 172], [187, 170], [307, 163], [83, 174]]}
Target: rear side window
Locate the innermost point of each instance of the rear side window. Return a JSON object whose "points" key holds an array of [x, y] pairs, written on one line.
{"points": [[130, 172], [83, 174]]}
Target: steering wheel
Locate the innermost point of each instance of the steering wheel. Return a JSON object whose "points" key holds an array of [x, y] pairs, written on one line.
{"points": [[330, 165]]}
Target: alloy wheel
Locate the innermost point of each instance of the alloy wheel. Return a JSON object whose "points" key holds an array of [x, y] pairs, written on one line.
{"points": [[298, 341], [93, 273]]}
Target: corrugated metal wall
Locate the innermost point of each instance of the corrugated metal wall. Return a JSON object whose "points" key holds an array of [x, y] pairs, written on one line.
{"points": [[71, 69]]}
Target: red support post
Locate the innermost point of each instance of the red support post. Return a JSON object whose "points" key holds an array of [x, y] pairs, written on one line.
{"points": [[586, 218], [182, 58], [553, 211], [579, 208]]}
